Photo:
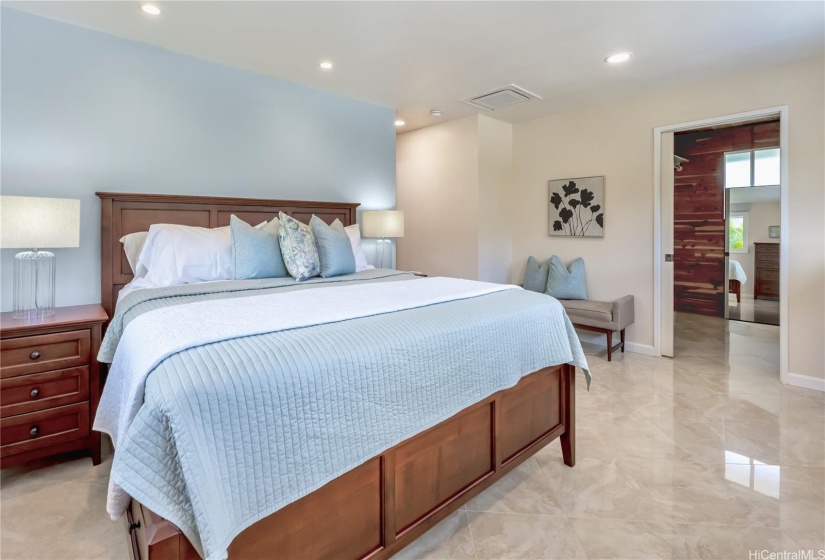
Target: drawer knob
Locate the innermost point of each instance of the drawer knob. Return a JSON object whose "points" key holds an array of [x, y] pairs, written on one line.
{"points": [[34, 355], [35, 431], [34, 393]]}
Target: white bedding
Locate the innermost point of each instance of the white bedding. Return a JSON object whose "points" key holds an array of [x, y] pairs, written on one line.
{"points": [[275, 407], [145, 283], [154, 336], [736, 272]]}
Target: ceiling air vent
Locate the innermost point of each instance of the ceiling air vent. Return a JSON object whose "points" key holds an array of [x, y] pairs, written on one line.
{"points": [[500, 98]]}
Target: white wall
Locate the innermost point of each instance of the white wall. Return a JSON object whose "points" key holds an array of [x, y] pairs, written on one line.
{"points": [[437, 188], [454, 184], [616, 140], [495, 227]]}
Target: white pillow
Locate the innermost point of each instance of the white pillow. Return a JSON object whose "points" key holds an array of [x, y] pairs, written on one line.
{"points": [[133, 244], [175, 254], [354, 235]]}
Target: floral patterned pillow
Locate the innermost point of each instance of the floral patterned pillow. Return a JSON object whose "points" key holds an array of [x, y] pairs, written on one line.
{"points": [[298, 248]]}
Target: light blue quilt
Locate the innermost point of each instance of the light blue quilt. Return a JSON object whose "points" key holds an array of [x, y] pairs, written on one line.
{"points": [[232, 431]]}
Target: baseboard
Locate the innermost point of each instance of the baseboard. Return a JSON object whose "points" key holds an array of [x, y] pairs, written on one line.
{"points": [[806, 381], [601, 339], [638, 348]]}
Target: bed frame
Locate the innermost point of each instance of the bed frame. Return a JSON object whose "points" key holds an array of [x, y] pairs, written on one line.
{"points": [[735, 287], [376, 509], [124, 213]]}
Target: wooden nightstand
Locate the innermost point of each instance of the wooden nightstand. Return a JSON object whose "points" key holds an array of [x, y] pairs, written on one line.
{"points": [[49, 384]]}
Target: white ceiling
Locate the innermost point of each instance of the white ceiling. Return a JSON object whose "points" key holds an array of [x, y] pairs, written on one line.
{"points": [[417, 56]]}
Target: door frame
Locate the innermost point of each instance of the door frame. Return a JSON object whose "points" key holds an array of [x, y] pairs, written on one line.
{"points": [[658, 256]]}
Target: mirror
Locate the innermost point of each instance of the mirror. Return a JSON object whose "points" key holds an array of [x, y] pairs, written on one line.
{"points": [[752, 226]]}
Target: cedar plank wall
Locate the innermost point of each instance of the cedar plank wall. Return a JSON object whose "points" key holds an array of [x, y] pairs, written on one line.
{"points": [[699, 212]]}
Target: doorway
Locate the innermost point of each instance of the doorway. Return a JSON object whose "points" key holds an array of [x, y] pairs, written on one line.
{"points": [[711, 292]]}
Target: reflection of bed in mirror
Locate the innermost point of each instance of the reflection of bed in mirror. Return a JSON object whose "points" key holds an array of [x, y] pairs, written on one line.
{"points": [[736, 277]]}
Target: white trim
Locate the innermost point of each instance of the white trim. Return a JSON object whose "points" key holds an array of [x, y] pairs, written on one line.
{"points": [[601, 340], [638, 348], [784, 239], [667, 243], [658, 257], [806, 381]]}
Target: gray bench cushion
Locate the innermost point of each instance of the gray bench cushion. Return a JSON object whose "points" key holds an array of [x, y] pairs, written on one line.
{"points": [[587, 309], [613, 315]]}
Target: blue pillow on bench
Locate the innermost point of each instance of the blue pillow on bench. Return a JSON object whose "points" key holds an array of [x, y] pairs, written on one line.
{"points": [[535, 277], [566, 282]]}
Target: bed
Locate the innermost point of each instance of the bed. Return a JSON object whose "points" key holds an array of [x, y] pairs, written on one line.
{"points": [[736, 277], [398, 484]]}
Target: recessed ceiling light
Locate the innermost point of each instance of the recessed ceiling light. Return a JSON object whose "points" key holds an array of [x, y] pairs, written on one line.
{"points": [[399, 122], [435, 113], [618, 57], [326, 65], [150, 9]]}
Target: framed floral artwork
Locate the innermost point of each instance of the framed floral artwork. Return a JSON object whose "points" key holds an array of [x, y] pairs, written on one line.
{"points": [[576, 207]]}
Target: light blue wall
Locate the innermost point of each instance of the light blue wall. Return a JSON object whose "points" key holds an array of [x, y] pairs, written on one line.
{"points": [[84, 111]]}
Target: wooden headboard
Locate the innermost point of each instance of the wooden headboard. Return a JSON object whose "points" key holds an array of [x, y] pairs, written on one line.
{"points": [[123, 213]]}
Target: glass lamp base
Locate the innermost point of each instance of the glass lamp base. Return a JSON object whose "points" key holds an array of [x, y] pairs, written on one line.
{"points": [[33, 285]]}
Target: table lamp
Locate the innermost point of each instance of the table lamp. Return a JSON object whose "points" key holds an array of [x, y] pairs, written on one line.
{"points": [[382, 224], [28, 222]]}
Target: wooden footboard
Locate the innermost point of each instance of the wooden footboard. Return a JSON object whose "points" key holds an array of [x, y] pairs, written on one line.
{"points": [[383, 505]]}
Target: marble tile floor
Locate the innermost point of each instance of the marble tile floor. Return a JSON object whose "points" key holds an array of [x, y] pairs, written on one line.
{"points": [[753, 310], [702, 456]]}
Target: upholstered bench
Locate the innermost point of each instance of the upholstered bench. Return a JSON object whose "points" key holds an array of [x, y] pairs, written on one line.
{"points": [[601, 316], [567, 284]]}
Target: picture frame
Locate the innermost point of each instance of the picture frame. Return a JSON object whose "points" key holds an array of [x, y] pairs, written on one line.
{"points": [[576, 207], [774, 232]]}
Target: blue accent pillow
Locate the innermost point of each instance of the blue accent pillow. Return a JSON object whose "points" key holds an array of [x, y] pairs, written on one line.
{"points": [[334, 248], [566, 282], [256, 253], [535, 277]]}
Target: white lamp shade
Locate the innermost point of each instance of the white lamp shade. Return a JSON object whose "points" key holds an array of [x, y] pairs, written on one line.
{"points": [[382, 223], [28, 222]]}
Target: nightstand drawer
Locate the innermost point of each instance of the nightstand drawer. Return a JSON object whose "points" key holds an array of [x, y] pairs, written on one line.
{"points": [[26, 432], [28, 393], [45, 352]]}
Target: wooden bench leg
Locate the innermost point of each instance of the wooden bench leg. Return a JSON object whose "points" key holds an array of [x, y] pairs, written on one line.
{"points": [[621, 333], [609, 346]]}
